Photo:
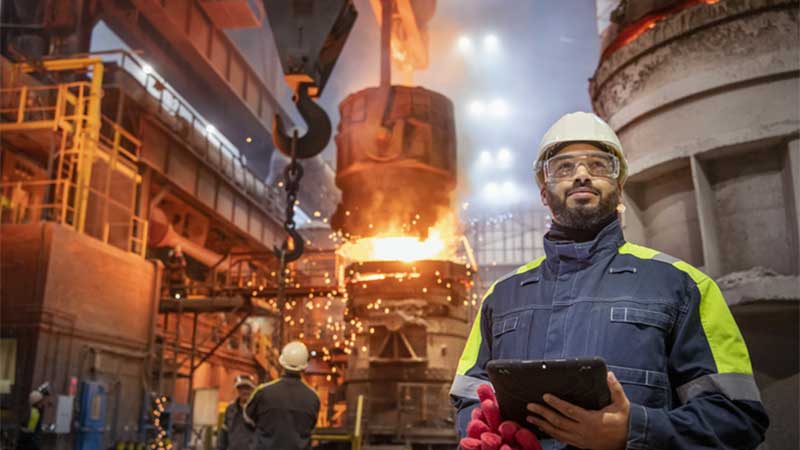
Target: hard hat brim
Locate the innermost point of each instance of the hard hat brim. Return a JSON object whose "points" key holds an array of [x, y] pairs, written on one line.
{"points": [[580, 127]]}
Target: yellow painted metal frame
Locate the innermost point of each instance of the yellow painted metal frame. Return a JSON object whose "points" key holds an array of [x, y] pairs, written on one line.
{"points": [[355, 438], [90, 135], [78, 113]]}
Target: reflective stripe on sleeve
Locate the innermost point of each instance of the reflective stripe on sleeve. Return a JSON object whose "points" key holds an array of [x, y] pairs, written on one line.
{"points": [[735, 386], [466, 387]]}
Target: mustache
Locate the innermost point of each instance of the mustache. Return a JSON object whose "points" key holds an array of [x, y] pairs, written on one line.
{"points": [[583, 188]]}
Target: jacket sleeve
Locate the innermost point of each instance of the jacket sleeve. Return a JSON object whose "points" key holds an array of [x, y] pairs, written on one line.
{"points": [[471, 371], [222, 439], [709, 370]]}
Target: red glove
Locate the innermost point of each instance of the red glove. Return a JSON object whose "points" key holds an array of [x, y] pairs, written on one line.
{"points": [[487, 431]]}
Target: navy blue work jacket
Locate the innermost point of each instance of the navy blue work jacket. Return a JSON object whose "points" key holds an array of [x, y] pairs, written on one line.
{"points": [[661, 325]]}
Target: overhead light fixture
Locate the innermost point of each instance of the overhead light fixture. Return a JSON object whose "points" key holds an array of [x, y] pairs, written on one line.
{"points": [[464, 44], [476, 108], [491, 43], [504, 155]]}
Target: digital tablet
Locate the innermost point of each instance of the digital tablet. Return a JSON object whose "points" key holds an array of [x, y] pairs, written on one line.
{"points": [[580, 381]]}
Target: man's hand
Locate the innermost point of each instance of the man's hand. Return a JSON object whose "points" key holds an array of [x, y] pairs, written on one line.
{"points": [[485, 430], [606, 429]]}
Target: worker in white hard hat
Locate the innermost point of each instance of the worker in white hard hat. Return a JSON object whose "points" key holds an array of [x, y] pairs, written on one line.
{"points": [[285, 410], [679, 372], [235, 432], [31, 429]]}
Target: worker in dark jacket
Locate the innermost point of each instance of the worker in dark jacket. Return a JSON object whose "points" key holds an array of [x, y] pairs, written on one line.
{"points": [[285, 410], [176, 273], [236, 433], [679, 372], [30, 435]]}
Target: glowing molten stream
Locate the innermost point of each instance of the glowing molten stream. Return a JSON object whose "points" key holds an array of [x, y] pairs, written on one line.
{"points": [[441, 244], [395, 248]]}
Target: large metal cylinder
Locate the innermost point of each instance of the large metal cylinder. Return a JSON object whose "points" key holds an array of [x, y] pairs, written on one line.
{"points": [[415, 318], [704, 100], [396, 162]]}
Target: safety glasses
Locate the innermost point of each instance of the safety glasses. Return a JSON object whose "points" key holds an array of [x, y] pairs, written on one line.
{"points": [[597, 163]]}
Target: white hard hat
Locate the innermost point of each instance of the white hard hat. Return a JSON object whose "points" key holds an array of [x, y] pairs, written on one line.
{"points": [[35, 397], [244, 380], [580, 127], [294, 356]]}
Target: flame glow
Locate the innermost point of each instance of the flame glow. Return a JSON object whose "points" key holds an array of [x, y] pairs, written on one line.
{"points": [[441, 244]]}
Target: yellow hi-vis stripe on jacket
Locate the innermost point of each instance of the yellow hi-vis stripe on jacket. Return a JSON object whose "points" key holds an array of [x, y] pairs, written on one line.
{"points": [[724, 338], [470, 355]]}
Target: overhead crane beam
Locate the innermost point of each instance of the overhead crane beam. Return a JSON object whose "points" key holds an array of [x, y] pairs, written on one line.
{"points": [[186, 47]]}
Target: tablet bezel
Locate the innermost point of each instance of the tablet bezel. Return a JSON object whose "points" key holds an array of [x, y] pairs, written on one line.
{"points": [[580, 381]]}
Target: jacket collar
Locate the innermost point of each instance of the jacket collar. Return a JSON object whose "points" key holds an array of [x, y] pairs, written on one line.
{"points": [[608, 239]]}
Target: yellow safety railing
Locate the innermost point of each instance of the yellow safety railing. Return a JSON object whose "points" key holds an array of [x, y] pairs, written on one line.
{"points": [[218, 151], [23, 106], [20, 202], [355, 438], [119, 140], [86, 137], [44, 107], [31, 201]]}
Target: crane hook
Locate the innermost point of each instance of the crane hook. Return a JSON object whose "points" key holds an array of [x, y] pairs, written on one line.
{"points": [[293, 254], [319, 127]]}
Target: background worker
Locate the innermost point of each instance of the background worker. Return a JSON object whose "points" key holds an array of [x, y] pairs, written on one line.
{"points": [[30, 435], [176, 273], [236, 433], [285, 411]]}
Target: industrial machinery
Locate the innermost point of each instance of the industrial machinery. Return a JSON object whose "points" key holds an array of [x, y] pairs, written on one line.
{"points": [[415, 318], [91, 424], [95, 148], [118, 158], [408, 292], [396, 161]]}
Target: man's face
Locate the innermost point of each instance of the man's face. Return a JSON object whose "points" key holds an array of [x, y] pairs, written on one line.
{"points": [[243, 393], [581, 200]]}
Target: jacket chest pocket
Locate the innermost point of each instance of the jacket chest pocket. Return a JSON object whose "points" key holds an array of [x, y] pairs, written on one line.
{"points": [[638, 334], [510, 335], [659, 318]]}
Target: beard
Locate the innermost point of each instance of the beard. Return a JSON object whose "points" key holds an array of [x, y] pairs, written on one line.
{"points": [[582, 216]]}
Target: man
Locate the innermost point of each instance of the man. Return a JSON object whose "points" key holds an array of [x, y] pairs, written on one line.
{"points": [[236, 433], [176, 273], [679, 371], [285, 411], [30, 435]]}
